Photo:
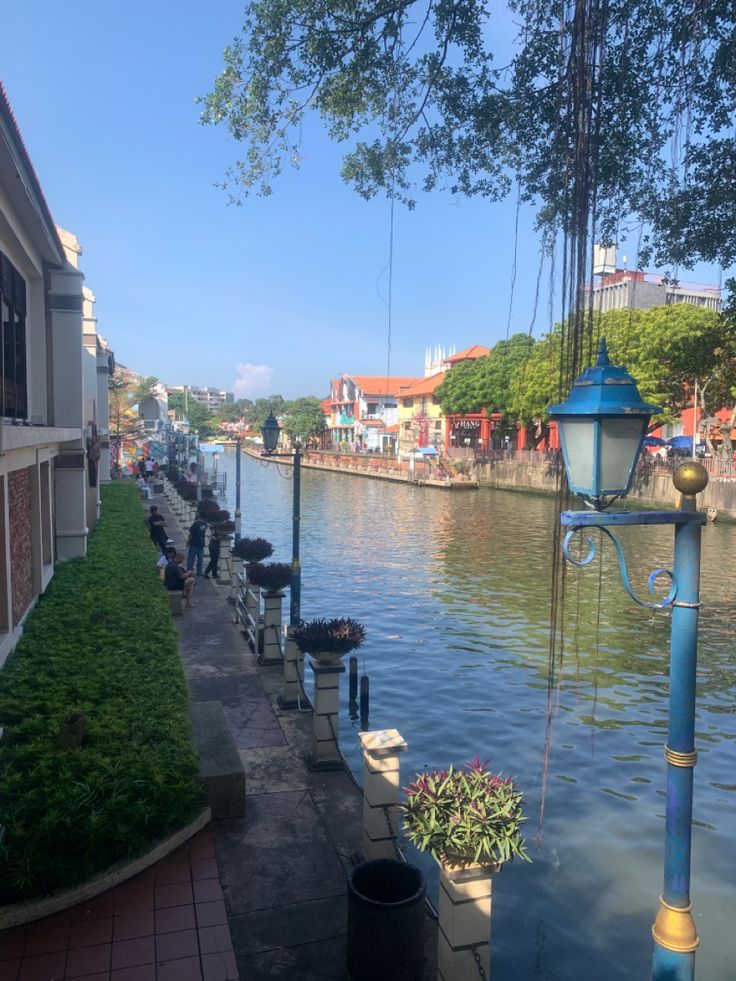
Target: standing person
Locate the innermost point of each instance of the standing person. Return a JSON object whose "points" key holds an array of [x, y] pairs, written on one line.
{"points": [[195, 541], [157, 528], [214, 556], [149, 467], [142, 467]]}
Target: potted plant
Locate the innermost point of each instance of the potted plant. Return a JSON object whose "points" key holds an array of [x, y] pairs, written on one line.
{"points": [[465, 817], [329, 640], [252, 549], [272, 577]]}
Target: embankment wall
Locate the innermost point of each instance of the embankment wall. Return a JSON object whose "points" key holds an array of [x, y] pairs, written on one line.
{"points": [[650, 488]]}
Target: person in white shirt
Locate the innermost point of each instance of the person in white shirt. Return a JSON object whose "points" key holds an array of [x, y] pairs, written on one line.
{"points": [[144, 488]]}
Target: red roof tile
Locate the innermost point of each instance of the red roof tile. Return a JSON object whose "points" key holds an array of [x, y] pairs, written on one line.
{"points": [[425, 386], [469, 354], [370, 385]]}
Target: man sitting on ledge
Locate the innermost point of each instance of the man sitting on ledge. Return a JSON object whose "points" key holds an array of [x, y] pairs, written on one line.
{"points": [[176, 578]]}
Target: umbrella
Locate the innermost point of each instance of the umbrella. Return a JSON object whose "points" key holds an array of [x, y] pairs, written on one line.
{"points": [[681, 442], [653, 441]]}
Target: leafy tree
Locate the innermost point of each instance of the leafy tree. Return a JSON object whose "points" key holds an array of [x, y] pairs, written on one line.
{"points": [[122, 417], [145, 388], [413, 88], [667, 349], [458, 391], [303, 418], [200, 419], [485, 383]]}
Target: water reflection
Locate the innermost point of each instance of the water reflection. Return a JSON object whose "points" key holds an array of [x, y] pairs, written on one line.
{"points": [[454, 591]]}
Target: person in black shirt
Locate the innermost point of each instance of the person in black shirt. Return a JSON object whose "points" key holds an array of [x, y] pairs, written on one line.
{"points": [[176, 579], [157, 528], [195, 541], [214, 556]]}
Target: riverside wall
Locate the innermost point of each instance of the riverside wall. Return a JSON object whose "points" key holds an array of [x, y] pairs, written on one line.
{"points": [[649, 487]]}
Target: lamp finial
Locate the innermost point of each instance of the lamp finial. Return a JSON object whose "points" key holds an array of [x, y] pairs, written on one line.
{"points": [[602, 354]]}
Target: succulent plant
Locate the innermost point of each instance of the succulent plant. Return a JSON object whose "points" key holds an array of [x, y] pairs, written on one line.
{"points": [[465, 816], [252, 549], [338, 637], [271, 576]]}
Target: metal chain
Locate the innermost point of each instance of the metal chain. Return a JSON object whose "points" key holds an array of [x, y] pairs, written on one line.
{"points": [[392, 835], [479, 964]]}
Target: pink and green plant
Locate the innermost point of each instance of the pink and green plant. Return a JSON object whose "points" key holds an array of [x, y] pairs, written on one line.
{"points": [[465, 816]]}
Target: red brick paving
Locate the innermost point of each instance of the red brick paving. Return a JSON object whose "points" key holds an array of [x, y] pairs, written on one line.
{"points": [[166, 924]]}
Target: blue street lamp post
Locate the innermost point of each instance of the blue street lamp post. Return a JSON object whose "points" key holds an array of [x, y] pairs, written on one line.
{"points": [[602, 426], [270, 432], [237, 490]]}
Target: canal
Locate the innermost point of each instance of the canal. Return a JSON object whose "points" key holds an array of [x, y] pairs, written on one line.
{"points": [[454, 591]]}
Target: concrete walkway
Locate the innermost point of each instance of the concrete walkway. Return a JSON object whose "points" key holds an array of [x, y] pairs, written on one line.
{"points": [[283, 866]]}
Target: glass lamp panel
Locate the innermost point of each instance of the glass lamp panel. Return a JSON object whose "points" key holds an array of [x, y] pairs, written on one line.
{"points": [[577, 442], [620, 442]]}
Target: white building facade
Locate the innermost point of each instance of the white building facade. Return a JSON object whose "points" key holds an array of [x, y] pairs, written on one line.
{"points": [[44, 432]]}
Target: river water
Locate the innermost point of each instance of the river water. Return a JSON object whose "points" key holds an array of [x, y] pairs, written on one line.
{"points": [[454, 591]]}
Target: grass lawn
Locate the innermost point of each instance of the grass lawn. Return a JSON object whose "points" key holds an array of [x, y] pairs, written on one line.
{"points": [[100, 642]]}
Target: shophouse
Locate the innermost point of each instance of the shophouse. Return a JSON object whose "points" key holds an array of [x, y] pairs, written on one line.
{"points": [[421, 423], [362, 408], [44, 433]]}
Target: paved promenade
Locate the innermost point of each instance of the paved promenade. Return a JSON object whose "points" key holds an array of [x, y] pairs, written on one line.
{"points": [[283, 865], [281, 869]]}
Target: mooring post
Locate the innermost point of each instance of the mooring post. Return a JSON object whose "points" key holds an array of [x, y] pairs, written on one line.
{"points": [[381, 791]]}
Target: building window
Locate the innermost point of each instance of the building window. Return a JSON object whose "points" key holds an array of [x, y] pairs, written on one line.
{"points": [[408, 403], [13, 396], [438, 424], [372, 408], [407, 427]]}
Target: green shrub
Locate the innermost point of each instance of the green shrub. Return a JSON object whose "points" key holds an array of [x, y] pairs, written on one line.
{"points": [[100, 643]]}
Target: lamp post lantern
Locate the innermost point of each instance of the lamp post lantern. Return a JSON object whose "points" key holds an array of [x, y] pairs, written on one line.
{"points": [[270, 432], [602, 426]]}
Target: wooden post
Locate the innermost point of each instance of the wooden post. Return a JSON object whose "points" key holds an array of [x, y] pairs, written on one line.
{"points": [[381, 790], [271, 628], [325, 753], [465, 923]]}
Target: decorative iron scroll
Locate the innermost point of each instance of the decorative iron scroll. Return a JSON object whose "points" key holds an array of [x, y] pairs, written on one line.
{"points": [[591, 554]]}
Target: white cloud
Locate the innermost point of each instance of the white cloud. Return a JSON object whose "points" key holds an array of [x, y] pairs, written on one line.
{"points": [[253, 382]]}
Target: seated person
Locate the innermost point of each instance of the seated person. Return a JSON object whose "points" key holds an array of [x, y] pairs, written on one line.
{"points": [[144, 488], [165, 559], [177, 579]]}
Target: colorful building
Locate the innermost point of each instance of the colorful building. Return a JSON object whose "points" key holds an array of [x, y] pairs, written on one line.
{"points": [[362, 408]]}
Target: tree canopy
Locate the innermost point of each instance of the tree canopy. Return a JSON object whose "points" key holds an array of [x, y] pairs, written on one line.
{"points": [[667, 349], [485, 383], [424, 93], [303, 418]]}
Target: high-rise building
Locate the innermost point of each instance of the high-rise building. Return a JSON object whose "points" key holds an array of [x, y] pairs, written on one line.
{"points": [[211, 398]]}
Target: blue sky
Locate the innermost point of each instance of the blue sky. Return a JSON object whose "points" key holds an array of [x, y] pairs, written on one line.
{"points": [[277, 295]]}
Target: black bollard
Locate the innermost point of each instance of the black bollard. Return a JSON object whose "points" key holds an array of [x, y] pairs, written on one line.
{"points": [[353, 678], [364, 700]]}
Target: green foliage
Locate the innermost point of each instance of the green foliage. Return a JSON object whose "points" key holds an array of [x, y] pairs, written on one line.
{"points": [[412, 87], [338, 636], [465, 816], [666, 349], [100, 643], [485, 383], [272, 576], [303, 418], [144, 388], [252, 549], [200, 418]]}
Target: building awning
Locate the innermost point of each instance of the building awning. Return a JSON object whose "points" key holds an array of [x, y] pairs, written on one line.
{"points": [[427, 451]]}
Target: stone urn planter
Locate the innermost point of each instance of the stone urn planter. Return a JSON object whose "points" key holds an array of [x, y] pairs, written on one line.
{"points": [[470, 820], [272, 578], [328, 641]]}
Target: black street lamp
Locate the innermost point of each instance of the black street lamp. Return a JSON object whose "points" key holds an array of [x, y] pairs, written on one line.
{"points": [[270, 432]]}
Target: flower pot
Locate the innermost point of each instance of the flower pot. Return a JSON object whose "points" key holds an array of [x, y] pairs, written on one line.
{"points": [[386, 921]]}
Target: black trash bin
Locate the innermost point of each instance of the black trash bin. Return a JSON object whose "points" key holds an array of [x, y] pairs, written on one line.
{"points": [[386, 921]]}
